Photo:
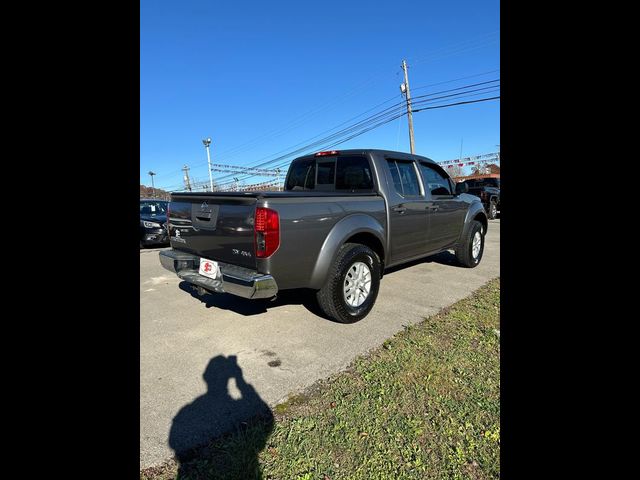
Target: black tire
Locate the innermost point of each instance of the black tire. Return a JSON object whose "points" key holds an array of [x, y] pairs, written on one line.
{"points": [[464, 253], [331, 298], [493, 210]]}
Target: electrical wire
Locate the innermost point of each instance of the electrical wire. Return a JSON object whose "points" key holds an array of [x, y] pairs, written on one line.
{"points": [[382, 123], [364, 123], [371, 119]]}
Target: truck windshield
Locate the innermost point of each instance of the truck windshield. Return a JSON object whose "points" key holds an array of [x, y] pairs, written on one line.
{"points": [[153, 208], [347, 172]]}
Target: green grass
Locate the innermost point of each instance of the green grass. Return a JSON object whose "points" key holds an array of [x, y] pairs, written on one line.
{"points": [[424, 405]]}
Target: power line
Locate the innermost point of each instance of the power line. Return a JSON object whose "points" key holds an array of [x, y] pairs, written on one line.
{"points": [[457, 79], [457, 48], [443, 52], [458, 88], [364, 123], [377, 120], [458, 103], [387, 121], [373, 118]]}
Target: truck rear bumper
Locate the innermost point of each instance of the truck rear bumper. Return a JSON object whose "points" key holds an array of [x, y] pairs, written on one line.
{"points": [[234, 280]]}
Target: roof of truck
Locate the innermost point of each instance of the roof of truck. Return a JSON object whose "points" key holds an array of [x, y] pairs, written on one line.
{"points": [[376, 151]]}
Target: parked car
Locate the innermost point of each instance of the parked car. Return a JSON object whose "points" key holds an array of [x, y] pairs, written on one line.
{"points": [[344, 218], [488, 190], [153, 220]]}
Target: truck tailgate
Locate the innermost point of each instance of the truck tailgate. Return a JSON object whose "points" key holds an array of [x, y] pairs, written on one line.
{"points": [[217, 227]]}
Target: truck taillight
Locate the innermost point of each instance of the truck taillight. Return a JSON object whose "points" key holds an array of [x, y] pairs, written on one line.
{"points": [[266, 232]]}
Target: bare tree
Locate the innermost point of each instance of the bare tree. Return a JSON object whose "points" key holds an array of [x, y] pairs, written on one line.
{"points": [[454, 170], [478, 168]]}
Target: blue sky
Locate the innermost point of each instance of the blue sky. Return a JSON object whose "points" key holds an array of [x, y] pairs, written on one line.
{"points": [[260, 77]]}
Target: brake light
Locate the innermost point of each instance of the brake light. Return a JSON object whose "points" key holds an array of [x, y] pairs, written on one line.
{"points": [[330, 152], [266, 232]]}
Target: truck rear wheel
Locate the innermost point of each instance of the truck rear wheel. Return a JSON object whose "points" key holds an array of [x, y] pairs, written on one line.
{"points": [[352, 285], [470, 251]]}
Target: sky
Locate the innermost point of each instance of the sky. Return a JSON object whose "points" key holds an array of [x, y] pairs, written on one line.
{"points": [[264, 78]]}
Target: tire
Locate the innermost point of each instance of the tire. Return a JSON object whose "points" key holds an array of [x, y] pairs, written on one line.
{"points": [[332, 299], [465, 253], [492, 213]]}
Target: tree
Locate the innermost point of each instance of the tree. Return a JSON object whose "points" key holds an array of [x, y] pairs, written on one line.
{"points": [[149, 192], [454, 170]]}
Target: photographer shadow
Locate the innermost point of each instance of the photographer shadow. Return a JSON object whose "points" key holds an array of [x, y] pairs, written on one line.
{"points": [[220, 435]]}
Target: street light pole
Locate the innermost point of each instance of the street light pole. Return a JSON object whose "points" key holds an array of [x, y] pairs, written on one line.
{"points": [[153, 188], [206, 143]]}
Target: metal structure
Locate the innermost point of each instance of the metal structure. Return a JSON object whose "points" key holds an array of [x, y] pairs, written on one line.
{"points": [[482, 162]]}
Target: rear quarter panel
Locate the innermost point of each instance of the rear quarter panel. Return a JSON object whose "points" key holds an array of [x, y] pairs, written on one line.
{"points": [[306, 239]]}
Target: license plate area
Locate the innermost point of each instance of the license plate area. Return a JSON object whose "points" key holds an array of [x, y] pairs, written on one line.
{"points": [[209, 269]]}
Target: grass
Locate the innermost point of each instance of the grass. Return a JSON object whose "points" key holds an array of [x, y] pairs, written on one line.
{"points": [[426, 404]]}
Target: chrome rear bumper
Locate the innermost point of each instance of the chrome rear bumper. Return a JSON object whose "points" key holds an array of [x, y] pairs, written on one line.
{"points": [[235, 280]]}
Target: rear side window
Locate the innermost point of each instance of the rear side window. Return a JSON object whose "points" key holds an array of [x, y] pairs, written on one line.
{"points": [[353, 173], [302, 175], [405, 179]]}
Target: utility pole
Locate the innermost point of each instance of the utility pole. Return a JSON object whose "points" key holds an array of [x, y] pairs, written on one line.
{"points": [[187, 182], [206, 143], [405, 89], [153, 188]]}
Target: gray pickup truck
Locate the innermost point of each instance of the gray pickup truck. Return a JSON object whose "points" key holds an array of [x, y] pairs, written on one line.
{"points": [[344, 217]]}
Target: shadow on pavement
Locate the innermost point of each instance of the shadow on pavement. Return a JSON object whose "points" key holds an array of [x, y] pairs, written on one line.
{"points": [[304, 297], [247, 307], [245, 417]]}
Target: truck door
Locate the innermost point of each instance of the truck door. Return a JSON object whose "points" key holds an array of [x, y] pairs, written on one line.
{"points": [[446, 210], [407, 210]]}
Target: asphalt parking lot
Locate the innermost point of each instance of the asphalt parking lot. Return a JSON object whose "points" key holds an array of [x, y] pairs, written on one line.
{"points": [[189, 345]]}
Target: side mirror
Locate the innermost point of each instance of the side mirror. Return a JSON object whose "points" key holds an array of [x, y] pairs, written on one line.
{"points": [[461, 187]]}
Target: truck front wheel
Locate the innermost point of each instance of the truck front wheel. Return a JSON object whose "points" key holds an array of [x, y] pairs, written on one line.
{"points": [[492, 213], [470, 251], [352, 285]]}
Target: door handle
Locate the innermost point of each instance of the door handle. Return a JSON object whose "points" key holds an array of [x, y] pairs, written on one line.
{"points": [[400, 210], [433, 208]]}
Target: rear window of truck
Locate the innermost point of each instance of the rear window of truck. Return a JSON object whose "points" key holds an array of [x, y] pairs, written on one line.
{"points": [[351, 173]]}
